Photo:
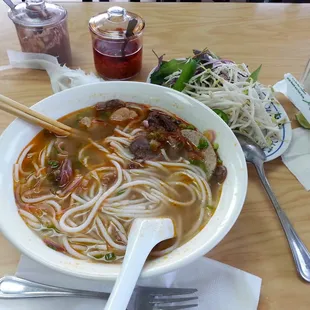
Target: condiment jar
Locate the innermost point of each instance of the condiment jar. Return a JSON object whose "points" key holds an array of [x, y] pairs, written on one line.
{"points": [[117, 43], [42, 28]]}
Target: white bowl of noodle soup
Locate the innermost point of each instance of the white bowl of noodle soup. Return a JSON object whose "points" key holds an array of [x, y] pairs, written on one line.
{"points": [[16, 137]]}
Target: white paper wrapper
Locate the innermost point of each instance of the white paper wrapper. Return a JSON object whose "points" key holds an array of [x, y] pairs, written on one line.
{"points": [[61, 77]]}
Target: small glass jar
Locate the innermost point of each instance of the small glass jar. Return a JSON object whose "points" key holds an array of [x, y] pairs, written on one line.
{"points": [[42, 28], [117, 53]]}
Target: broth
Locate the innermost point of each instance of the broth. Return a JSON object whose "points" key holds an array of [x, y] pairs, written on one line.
{"points": [[81, 196]]}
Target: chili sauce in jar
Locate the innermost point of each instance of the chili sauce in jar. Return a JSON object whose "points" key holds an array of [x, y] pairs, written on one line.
{"points": [[117, 42]]}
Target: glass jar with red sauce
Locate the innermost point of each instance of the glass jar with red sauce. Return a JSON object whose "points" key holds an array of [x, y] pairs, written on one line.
{"points": [[117, 43]]}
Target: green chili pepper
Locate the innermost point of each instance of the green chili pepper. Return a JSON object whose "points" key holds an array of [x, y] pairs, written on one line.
{"points": [[188, 72], [166, 68], [222, 115]]}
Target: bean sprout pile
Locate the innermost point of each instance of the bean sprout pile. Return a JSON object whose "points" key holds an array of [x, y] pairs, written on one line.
{"points": [[229, 87]]}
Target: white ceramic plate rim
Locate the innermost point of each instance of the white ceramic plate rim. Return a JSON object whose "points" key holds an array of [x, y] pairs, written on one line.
{"points": [[14, 139]]}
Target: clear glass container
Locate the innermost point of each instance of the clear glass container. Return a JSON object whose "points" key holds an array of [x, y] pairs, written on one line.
{"points": [[42, 28], [117, 51]]}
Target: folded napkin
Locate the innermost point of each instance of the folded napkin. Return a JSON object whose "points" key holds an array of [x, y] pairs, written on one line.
{"points": [[220, 287]]}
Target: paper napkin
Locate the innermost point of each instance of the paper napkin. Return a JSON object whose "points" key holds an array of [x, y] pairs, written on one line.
{"points": [[220, 287]]}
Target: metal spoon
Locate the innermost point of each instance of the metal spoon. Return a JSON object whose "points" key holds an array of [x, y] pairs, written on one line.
{"points": [[254, 154]]}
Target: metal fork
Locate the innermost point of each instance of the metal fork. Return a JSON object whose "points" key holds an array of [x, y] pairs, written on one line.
{"points": [[152, 298], [144, 298]]}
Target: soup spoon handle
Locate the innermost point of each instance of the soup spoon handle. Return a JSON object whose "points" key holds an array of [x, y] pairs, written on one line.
{"points": [[300, 253], [12, 288], [144, 235]]}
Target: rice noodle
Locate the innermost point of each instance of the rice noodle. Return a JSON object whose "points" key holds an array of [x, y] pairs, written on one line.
{"points": [[71, 251], [42, 157], [97, 201], [49, 148], [107, 237], [16, 172], [115, 157], [98, 146], [122, 133], [118, 139], [21, 159], [28, 215], [121, 151], [56, 205], [38, 199], [86, 240]]}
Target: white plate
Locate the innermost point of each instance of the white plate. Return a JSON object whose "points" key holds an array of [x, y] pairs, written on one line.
{"points": [[278, 147], [20, 133]]}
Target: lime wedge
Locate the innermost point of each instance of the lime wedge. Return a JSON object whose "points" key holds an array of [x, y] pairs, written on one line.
{"points": [[302, 120]]}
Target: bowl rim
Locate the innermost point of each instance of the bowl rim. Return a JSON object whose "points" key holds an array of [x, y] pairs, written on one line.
{"points": [[164, 268]]}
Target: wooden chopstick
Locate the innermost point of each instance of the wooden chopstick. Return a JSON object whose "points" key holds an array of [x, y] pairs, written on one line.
{"points": [[33, 120], [32, 116]]}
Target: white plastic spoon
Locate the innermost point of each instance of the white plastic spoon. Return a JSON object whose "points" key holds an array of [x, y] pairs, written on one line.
{"points": [[144, 235]]}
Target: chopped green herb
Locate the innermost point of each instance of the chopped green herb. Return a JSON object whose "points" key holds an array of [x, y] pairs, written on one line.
{"points": [[246, 91], [219, 161], [187, 126], [254, 75], [198, 163], [216, 146], [120, 192], [53, 163], [203, 144], [222, 115], [110, 256]]}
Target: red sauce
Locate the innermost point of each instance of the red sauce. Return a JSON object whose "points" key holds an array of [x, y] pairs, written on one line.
{"points": [[112, 62]]}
